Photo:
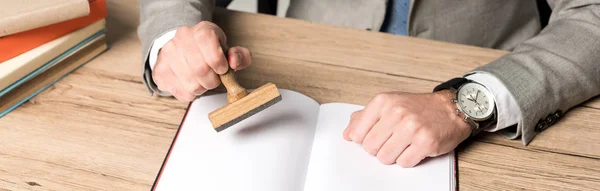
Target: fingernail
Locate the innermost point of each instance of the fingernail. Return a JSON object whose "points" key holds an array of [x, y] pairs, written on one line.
{"points": [[224, 70], [199, 92], [345, 135], [239, 55]]}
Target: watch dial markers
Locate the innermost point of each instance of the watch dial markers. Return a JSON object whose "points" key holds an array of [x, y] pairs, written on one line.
{"points": [[474, 101]]}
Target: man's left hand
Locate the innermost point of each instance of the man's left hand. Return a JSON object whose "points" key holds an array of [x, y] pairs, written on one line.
{"points": [[405, 128]]}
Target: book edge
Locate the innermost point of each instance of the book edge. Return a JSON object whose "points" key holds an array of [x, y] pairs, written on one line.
{"points": [[166, 160], [454, 171], [45, 52], [103, 48], [51, 62]]}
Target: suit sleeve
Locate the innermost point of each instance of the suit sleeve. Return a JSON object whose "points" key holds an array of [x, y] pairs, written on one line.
{"points": [[555, 70], [158, 17]]}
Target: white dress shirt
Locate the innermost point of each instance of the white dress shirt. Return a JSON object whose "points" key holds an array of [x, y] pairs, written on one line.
{"points": [[508, 110]]}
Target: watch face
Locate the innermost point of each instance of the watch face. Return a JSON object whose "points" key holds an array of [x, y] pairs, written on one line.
{"points": [[475, 101]]}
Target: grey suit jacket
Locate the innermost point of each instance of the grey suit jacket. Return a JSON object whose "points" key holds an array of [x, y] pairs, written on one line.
{"points": [[548, 72]]}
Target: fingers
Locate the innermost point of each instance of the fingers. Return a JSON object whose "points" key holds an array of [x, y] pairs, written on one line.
{"points": [[378, 135], [385, 131], [190, 63], [408, 145], [346, 133], [405, 128], [196, 66], [239, 57], [353, 120], [360, 124], [208, 38], [392, 148], [184, 75], [411, 156]]}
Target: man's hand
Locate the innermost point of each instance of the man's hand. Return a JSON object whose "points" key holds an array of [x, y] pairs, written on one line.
{"points": [[190, 63], [405, 128]]}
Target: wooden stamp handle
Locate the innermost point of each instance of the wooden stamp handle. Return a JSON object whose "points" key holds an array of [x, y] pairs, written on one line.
{"points": [[234, 90]]}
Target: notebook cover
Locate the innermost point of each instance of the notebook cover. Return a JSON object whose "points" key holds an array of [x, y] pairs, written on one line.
{"points": [[18, 15], [19, 43]]}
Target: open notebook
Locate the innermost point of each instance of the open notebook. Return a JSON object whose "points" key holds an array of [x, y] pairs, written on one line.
{"points": [[295, 144]]}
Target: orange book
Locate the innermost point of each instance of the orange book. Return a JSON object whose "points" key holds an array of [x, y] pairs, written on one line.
{"points": [[19, 43]]}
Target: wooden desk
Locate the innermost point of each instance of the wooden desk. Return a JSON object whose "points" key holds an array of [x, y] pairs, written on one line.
{"points": [[98, 129]]}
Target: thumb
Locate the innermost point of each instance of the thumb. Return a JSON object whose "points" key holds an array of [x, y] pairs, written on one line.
{"points": [[239, 57]]}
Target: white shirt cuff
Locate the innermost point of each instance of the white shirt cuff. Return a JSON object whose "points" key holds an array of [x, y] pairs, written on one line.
{"points": [[508, 110], [157, 45]]}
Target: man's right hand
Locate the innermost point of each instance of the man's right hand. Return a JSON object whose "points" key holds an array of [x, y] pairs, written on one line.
{"points": [[190, 63]]}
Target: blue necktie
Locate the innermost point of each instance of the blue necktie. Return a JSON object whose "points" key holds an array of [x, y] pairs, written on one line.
{"points": [[396, 17]]}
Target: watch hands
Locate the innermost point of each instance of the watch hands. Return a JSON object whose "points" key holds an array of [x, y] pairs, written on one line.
{"points": [[470, 98]]}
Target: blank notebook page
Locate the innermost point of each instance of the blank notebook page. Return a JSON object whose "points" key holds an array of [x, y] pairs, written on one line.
{"points": [[337, 164], [268, 151]]}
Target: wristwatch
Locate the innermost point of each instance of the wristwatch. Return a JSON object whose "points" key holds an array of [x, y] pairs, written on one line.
{"points": [[474, 100]]}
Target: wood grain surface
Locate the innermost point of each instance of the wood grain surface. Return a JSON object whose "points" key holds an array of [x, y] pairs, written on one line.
{"points": [[98, 128]]}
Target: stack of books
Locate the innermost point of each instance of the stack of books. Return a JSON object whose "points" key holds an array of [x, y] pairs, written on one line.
{"points": [[42, 41]]}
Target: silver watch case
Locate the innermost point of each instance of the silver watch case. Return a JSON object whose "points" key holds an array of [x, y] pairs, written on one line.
{"points": [[474, 121]]}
